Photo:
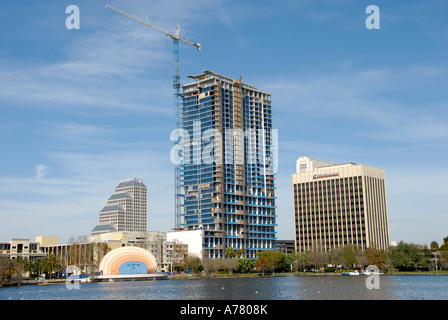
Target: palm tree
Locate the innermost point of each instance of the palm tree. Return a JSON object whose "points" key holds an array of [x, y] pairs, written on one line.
{"points": [[230, 252], [28, 266], [52, 263], [15, 267], [245, 265], [240, 252]]}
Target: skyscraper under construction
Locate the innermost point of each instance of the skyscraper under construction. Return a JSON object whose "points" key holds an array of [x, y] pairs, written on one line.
{"points": [[227, 161]]}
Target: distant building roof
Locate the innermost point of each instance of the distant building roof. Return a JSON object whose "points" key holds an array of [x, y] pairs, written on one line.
{"points": [[131, 182], [115, 207], [121, 195], [308, 164], [104, 227]]}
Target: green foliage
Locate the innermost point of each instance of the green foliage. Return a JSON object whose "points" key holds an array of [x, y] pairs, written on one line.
{"points": [[409, 255], [245, 265], [34, 267], [444, 246], [232, 253], [349, 256], [375, 257], [276, 259], [263, 264], [51, 264], [434, 245], [299, 260], [192, 263]]}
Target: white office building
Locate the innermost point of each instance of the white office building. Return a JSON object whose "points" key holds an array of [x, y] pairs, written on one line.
{"points": [[336, 205], [126, 208]]}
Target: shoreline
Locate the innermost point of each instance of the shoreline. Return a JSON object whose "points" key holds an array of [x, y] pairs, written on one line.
{"points": [[298, 274], [227, 276]]}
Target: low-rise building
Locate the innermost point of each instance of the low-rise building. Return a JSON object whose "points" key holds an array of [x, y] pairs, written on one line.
{"points": [[21, 248], [87, 255]]}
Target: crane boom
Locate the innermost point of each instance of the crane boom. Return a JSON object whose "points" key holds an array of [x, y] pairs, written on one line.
{"points": [[174, 36], [178, 195]]}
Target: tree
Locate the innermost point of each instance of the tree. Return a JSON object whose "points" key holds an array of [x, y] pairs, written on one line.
{"points": [[374, 257], [361, 258], [52, 264], [28, 266], [210, 266], [14, 269], [336, 257], [39, 266], [444, 246], [245, 265], [276, 258], [434, 245], [240, 252], [440, 253], [192, 263], [179, 253], [229, 265], [263, 264], [4, 264], [220, 264], [317, 258], [410, 256], [230, 252], [349, 256], [444, 257], [299, 260]]}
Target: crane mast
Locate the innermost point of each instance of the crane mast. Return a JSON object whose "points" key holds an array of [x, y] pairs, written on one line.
{"points": [[176, 86]]}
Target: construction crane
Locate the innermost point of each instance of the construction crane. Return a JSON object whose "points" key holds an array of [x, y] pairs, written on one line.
{"points": [[176, 86]]}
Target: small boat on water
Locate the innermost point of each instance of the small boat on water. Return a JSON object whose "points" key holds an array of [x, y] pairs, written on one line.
{"points": [[369, 273], [365, 272]]}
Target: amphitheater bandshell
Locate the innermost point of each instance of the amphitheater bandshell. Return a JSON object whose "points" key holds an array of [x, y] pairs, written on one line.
{"points": [[111, 262]]}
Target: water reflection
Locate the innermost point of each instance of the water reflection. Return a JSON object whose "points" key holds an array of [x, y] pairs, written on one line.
{"points": [[318, 287]]}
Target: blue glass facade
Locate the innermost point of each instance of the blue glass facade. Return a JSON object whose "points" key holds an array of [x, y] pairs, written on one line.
{"points": [[227, 169]]}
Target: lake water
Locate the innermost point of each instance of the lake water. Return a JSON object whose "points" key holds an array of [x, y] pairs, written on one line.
{"points": [[325, 287]]}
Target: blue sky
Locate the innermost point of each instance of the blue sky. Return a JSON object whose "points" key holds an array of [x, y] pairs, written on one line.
{"points": [[82, 109]]}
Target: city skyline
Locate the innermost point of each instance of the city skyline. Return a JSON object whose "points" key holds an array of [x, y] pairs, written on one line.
{"points": [[84, 108]]}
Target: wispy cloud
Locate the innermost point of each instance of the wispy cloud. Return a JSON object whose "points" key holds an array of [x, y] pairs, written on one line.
{"points": [[99, 71], [392, 102], [80, 187], [41, 170], [64, 89], [74, 134]]}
